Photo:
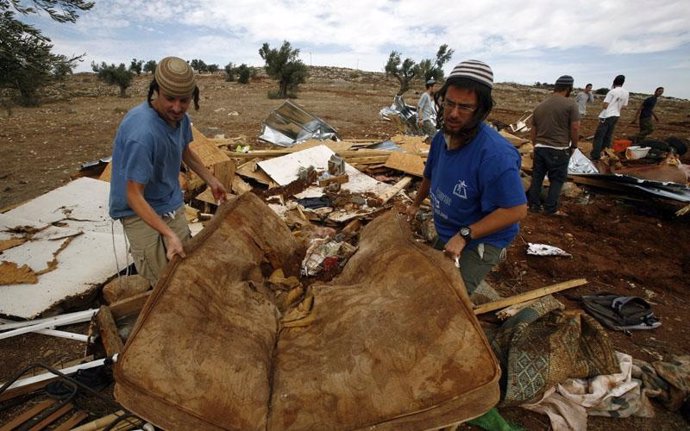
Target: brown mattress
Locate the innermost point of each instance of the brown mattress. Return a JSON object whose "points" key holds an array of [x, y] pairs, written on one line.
{"points": [[393, 345]]}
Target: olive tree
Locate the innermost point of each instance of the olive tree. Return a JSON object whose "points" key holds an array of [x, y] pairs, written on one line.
{"points": [[27, 62], [284, 65]]}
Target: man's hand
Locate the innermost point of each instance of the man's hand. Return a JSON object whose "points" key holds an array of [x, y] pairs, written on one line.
{"points": [[173, 246], [454, 246], [218, 190], [411, 212]]}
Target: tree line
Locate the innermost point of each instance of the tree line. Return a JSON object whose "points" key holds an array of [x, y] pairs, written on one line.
{"points": [[27, 62]]}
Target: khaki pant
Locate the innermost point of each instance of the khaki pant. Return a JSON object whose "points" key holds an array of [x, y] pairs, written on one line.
{"points": [[475, 264], [147, 246]]}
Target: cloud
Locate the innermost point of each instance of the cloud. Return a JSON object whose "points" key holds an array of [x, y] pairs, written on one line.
{"points": [[361, 33]]}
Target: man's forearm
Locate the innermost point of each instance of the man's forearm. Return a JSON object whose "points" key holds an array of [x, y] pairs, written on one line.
{"points": [[422, 192]]}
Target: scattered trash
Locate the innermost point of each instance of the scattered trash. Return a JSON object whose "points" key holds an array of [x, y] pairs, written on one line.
{"points": [[635, 152], [545, 250], [580, 164], [521, 124], [621, 313]]}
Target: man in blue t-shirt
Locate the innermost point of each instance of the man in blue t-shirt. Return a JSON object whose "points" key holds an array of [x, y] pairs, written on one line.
{"points": [[150, 145], [472, 176]]}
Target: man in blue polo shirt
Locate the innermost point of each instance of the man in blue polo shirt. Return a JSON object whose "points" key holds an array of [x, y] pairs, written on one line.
{"points": [[472, 177]]}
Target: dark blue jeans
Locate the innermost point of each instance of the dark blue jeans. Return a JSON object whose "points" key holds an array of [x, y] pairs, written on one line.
{"points": [[554, 163], [603, 136]]}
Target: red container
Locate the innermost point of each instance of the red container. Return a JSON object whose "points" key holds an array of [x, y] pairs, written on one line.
{"points": [[619, 145]]}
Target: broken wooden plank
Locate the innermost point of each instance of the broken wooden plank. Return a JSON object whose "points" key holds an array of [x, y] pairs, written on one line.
{"points": [[52, 417], [207, 151], [129, 306], [532, 294], [337, 179], [30, 384], [517, 141], [73, 421], [367, 160], [100, 423], [112, 343], [397, 187], [38, 408], [407, 163], [225, 172]]}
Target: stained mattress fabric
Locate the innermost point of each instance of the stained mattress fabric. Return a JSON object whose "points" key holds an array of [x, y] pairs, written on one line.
{"points": [[393, 343]]}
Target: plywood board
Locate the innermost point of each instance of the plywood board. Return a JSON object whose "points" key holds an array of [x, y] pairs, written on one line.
{"points": [[408, 163], [208, 151], [515, 140], [285, 169], [78, 210], [338, 146]]}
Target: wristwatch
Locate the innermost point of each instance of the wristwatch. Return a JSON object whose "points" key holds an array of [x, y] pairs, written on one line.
{"points": [[466, 233]]}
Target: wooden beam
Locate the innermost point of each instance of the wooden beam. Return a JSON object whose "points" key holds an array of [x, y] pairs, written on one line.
{"points": [[38, 408], [400, 185], [73, 421], [52, 417], [407, 163], [225, 172], [129, 306], [367, 160], [532, 294], [108, 330], [100, 422]]}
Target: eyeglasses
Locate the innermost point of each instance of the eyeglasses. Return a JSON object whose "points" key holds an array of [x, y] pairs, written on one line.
{"points": [[463, 107]]}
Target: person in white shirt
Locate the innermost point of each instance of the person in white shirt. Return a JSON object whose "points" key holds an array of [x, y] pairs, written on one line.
{"points": [[614, 102]]}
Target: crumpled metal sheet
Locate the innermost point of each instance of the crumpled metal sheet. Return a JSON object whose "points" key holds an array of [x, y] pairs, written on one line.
{"points": [[290, 124], [406, 113]]}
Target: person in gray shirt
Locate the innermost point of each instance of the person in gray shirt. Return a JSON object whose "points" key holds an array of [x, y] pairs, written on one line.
{"points": [[583, 98]]}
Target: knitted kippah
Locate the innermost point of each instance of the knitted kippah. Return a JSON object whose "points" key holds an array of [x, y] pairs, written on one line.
{"points": [[565, 80], [474, 70], [175, 77]]}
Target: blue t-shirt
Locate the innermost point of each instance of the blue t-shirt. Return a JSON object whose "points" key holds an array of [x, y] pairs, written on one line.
{"points": [[470, 182], [648, 107], [147, 150]]}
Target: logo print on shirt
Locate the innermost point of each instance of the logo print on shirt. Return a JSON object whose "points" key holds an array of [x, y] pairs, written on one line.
{"points": [[460, 189]]}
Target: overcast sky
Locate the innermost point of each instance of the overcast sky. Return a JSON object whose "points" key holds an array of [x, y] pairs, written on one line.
{"points": [[523, 41]]}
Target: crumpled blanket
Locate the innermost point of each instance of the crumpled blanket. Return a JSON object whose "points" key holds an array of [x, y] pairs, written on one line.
{"points": [[622, 394], [542, 346], [614, 395]]}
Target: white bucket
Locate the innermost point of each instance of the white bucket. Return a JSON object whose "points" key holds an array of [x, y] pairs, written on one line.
{"points": [[635, 152]]}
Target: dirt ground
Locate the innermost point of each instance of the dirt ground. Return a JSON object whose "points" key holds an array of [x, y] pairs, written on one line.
{"points": [[622, 246]]}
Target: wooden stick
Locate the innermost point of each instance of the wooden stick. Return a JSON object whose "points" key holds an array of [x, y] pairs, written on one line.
{"points": [[100, 422], [532, 294], [70, 423], [397, 187]]}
